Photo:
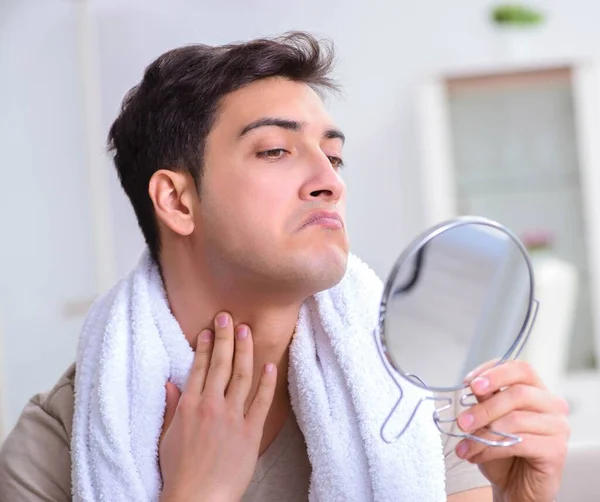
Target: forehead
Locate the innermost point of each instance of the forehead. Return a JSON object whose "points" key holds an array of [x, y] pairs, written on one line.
{"points": [[273, 97]]}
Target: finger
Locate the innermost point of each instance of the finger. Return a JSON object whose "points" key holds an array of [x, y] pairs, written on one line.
{"points": [[221, 361], [516, 397], [478, 371], [257, 413], [530, 422], [518, 423], [505, 375], [532, 447], [468, 448], [197, 377], [468, 398], [241, 379], [173, 396]]}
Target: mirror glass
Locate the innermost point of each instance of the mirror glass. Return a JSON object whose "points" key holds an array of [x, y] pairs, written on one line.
{"points": [[459, 296]]}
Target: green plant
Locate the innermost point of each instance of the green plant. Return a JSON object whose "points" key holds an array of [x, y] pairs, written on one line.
{"points": [[516, 15]]}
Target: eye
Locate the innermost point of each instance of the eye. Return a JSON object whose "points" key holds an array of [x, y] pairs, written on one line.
{"points": [[336, 162], [273, 154]]}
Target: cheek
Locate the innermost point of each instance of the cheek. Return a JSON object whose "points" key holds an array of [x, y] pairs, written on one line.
{"points": [[263, 213], [247, 211]]}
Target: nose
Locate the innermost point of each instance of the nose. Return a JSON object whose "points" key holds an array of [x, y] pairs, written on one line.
{"points": [[325, 182]]}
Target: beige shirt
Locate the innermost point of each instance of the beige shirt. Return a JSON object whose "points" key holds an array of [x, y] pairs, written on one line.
{"points": [[35, 461]]}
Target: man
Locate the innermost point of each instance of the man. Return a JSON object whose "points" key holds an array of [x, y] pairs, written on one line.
{"points": [[224, 152]]}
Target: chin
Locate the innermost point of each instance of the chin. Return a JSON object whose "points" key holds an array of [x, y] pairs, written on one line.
{"points": [[327, 269]]}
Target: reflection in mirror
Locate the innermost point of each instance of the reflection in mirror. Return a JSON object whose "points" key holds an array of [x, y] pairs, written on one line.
{"points": [[458, 300]]}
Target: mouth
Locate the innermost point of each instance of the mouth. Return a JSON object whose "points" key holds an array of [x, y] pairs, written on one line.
{"points": [[325, 219]]}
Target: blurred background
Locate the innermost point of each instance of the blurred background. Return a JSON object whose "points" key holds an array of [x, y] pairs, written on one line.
{"points": [[464, 107]]}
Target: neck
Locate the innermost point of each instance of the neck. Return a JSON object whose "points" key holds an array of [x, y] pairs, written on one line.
{"points": [[197, 293]]}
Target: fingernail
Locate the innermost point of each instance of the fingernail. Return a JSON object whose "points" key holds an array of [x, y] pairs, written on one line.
{"points": [[466, 421], [222, 320], [480, 384], [269, 368], [206, 335], [461, 449], [480, 369], [470, 376], [242, 332], [474, 373]]}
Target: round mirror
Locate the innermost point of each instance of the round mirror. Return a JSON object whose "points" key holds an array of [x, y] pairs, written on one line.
{"points": [[462, 294]]}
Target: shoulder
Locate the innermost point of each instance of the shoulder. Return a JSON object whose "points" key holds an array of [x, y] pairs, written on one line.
{"points": [[35, 460], [59, 402]]}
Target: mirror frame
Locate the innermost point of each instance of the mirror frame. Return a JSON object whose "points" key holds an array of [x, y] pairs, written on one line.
{"points": [[411, 251]]}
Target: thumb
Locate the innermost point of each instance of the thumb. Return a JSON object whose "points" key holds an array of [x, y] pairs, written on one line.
{"points": [[173, 396]]}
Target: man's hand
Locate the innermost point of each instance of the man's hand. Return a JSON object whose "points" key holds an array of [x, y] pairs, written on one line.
{"points": [[210, 445], [512, 398]]}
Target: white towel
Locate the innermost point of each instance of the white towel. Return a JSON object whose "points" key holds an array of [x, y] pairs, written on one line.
{"points": [[131, 345]]}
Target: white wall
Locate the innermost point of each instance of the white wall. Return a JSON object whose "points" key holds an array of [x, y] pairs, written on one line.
{"points": [[384, 47], [46, 251]]}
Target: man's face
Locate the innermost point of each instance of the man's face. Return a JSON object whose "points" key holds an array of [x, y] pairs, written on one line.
{"points": [[272, 163]]}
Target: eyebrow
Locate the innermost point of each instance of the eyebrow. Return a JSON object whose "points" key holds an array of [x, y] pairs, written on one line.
{"points": [[289, 125]]}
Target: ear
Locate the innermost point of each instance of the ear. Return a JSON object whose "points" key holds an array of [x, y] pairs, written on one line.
{"points": [[173, 196]]}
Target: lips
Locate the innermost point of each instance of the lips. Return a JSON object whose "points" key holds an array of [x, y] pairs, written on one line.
{"points": [[326, 219]]}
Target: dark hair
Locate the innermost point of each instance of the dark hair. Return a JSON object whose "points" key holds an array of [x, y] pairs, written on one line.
{"points": [[165, 119]]}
